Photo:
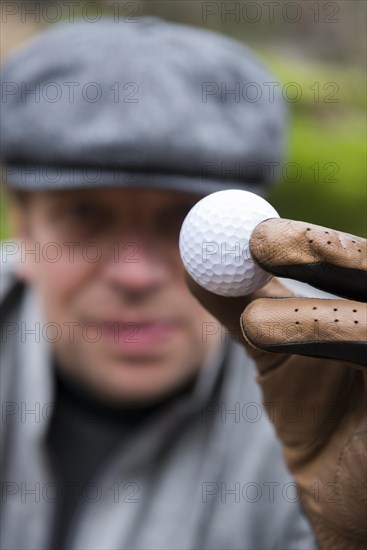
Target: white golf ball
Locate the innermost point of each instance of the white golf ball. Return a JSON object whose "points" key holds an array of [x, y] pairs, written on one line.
{"points": [[214, 242]]}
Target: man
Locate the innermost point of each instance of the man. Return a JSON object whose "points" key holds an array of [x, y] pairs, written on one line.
{"points": [[132, 420]]}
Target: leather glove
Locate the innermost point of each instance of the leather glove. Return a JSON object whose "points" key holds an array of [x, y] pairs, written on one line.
{"points": [[311, 356]]}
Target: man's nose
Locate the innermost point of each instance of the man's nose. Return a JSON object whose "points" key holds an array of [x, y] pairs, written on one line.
{"points": [[136, 267]]}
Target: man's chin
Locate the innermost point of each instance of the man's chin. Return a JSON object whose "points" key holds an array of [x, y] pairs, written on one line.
{"points": [[136, 380]]}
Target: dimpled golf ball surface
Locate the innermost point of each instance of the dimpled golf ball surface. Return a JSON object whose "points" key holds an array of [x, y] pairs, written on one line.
{"points": [[214, 242]]}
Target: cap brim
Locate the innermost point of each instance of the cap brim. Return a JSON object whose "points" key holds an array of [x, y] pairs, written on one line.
{"points": [[62, 177]]}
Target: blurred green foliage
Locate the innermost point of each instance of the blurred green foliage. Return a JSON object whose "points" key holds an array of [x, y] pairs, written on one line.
{"points": [[327, 143], [4, 226]]}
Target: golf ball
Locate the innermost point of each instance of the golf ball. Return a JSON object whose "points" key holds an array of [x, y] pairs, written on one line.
{"points": [[214, 242]]}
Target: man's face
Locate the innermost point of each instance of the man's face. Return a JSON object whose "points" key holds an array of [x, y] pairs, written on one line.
{"points": [[130, 329]]}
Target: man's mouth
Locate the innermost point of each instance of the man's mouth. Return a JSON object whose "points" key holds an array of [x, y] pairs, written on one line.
{"points": [[137, 337]]}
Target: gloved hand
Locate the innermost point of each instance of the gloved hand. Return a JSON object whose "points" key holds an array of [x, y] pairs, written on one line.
{"points": [[309, 354]]}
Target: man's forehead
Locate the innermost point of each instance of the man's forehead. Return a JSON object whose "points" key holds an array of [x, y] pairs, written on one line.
{"points": [[117, 196]]}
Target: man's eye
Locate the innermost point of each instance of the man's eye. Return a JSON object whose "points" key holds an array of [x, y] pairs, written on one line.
{"points": [[85, 212], [87, 219], [172, 219]]}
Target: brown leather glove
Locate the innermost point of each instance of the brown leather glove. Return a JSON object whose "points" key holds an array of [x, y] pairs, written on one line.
{"points": [[309, 354]]}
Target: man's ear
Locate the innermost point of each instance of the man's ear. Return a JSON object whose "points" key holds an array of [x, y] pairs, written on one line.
{"points": [[19, 225]]}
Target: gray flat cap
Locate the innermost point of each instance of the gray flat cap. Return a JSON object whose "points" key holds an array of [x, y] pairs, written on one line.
{"points": [[150, 103]]}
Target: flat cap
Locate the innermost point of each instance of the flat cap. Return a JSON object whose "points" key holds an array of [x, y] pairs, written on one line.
{"points": [[150, 103]]}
